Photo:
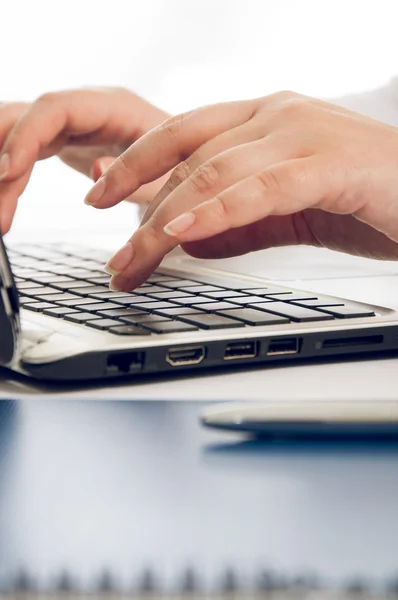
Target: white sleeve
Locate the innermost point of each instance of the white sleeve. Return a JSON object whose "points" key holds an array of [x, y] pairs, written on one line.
{"points": [[381, 104]]}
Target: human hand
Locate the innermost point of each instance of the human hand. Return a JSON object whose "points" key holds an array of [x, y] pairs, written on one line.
{"points": [[86, 128], [279, 170]]}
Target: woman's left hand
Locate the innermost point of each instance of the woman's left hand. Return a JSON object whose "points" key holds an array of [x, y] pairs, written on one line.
{"points": [[279, 170]]}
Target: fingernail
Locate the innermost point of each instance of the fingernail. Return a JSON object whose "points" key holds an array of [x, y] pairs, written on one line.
{"points": [[180, 224], [113, 287], [4, 166], [96, 192], [121, 260]]}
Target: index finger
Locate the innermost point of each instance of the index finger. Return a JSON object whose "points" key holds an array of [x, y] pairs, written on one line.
{"points": [[56, 115], [164, 147]]}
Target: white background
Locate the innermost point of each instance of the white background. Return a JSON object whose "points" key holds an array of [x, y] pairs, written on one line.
{"points": [[180, 54]]}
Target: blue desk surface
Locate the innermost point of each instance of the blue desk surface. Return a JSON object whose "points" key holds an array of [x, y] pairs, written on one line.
{"points": [[131, 486]]}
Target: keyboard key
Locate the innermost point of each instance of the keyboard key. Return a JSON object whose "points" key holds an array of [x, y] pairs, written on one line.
{"points": [[215, 306], [167, 295], [320, 301], [109, 295], [92, 289], [347, 312], [180, 310], [224, 294], [83, 273], [26, 285], [26, 300], [179, 283], [202, 288], [153, 306], [98, 307], [62, 296], [145, 319], [133, 299], [119, 312], [40, 291], [158, 277], [295, 313], [206, 321], [151, 289], [79, 302], [190, 300], [69, 284], [38, 306], [101, 323], [250, 300], [102, 279], [59, 311], [171, 327], [49, 278], [141, 289], [59, 269], [266, 291], [294, 296], [129, 330], [255, 317], [80, 317]]}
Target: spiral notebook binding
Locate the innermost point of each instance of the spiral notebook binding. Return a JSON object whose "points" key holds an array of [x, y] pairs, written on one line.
{"points": [[267, 584]]}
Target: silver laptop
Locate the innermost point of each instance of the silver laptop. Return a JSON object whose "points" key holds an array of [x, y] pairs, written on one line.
{"points": [[59, 321]]}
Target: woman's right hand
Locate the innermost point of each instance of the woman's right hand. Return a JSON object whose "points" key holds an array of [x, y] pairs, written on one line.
{"points": [[86, 128]]}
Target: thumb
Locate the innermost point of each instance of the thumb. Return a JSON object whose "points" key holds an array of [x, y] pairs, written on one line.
{"points": [[100, 165]]}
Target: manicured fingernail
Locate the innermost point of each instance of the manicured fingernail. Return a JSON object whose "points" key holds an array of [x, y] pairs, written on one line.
{"points": [[96, 192], [4, 166], [180, 224], [113, 287], [121, 260]]}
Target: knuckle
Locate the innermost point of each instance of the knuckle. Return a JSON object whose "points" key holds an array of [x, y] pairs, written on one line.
{"points": [[286, 95], [150, 235], [49, 98], [205, 177], [121, 174], [220, 209], [269, 181], [294, 108], [172, 127], [179, 174]]}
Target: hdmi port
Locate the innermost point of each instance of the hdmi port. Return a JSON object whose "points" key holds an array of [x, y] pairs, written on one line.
{"points": [[240, 350], [280, 346], [189, 355]]}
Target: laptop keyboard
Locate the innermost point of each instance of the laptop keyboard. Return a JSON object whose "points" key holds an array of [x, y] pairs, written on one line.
{"points": [[68, 282]]}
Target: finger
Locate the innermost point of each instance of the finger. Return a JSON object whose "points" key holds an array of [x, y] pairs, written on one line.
{"points": [[144, 195], [218, 174], [249, 132], [79, 115], [282, 189], [151, 242], [9, 195], [265, 233], [100, 165], [9, 114], [164, 147]]}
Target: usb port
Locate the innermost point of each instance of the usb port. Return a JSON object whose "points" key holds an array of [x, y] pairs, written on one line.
{"points": [[279, 346], [241, 350]]}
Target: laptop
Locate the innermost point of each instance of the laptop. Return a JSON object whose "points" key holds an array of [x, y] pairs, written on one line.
{"points": [[60, 322]]}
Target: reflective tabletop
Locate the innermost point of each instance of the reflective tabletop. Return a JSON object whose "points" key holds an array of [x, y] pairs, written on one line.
{"points": [[140, 494]]}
